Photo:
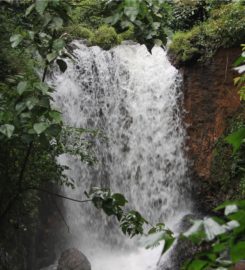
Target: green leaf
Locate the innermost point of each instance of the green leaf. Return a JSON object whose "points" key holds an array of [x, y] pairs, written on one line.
{"points": [[56, 24], [218, 247], [51, 56], [7, 130], [54, 130], [236, 139], [47, 18], [157, 228], [226, 203], [44, 102], [15, 40], [113, 19], [238, 216], [240, 60], [120, 199], [197, 265], [41, 5], [56, 116], [31, 102], [26, 115], [40, 127], [237, 251], [21, 87], [153, 239], [42, 86], [20, 106], [29, 9], [31, 34], [167, 244], [131, 12], [58, 44]]}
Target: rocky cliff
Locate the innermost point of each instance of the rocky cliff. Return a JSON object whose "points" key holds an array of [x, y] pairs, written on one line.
{"points": [[210, 100]]}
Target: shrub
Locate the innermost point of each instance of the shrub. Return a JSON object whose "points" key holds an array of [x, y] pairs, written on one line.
{"points": [[186, 14], [224, 28]]}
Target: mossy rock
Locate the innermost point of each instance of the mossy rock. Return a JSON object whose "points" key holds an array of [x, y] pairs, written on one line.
{"points": [[227, 179], [106, 37], [78, 32]]}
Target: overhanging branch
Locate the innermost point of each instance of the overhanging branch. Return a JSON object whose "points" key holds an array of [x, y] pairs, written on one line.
{"points": [[58, 195]]}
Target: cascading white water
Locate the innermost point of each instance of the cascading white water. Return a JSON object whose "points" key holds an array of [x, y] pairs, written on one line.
{"points": [[134, 98]]}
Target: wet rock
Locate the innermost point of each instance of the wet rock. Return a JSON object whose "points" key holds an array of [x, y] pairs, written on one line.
{"points": [[210, 99], [73, 259], [240, 266], [183, 249]]}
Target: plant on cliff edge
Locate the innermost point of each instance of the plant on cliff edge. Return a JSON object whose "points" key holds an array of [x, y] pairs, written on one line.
{"points": [[148, 18]]}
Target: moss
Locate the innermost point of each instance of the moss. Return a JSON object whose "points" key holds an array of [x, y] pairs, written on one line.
{"points": [[105, 37], [78, 32], [227, 180], [182, 45], [224, 28], [127, 35]]}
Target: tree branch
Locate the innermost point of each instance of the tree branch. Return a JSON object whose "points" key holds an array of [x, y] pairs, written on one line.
{"points": [[60, 213], [15, 197], [21, 176], [58, 195]]}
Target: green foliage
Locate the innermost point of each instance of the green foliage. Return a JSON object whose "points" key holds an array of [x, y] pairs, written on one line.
{"points": [[131, 222], [227, 169], [157, 235], [186, 14], [240, 80], [224, 28], [148, 18], [183, 46], [32, 134], [236, 139], [88, 13], [189, 13], [88, 23], [225, 237]]}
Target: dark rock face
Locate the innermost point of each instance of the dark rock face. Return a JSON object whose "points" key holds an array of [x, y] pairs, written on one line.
{"points": [[210, 99], [73, 259], [183, 248]]}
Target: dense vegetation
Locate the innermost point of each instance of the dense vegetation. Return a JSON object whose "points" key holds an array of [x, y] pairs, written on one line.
{"points": [[34, 35], [223, 27]]}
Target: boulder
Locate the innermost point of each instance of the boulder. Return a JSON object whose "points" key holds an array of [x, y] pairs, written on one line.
{"points": [[240, 265], [73, 259]]}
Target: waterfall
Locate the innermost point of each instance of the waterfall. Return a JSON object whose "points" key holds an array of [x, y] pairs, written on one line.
{"points": [[134, 98]]}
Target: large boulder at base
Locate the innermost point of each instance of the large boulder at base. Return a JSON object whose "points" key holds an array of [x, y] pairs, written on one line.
{"points": [[73, 259]]}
